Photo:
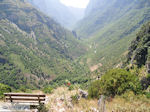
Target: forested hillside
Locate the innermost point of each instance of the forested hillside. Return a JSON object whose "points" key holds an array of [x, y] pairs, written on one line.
{"points": [[34, 49], [109, 27]]}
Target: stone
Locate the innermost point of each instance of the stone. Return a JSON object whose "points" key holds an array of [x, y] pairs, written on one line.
{"points": [[148, 67], [101, 104], [62, 110], [83, 94], [62, 99], [69, 105], [94, 110]]}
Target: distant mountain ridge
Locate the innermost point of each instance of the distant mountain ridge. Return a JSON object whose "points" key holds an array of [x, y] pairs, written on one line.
{"points": [[103, 12], [66, 16]]}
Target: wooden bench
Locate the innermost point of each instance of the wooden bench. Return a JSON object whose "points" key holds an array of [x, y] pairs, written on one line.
{"points": [[25, 98]]}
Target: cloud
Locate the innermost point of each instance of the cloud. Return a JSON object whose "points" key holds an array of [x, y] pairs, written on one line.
{"points": [[76, 3]]}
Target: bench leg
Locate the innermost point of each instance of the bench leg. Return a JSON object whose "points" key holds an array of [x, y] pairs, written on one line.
{"points": [[10, 99]]}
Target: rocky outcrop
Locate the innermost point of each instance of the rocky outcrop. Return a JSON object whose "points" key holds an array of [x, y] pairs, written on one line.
{"points": [[139, 50]]}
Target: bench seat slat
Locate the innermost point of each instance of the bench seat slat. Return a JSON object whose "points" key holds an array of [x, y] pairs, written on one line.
{"points": [[24, 99], [25, 95]]}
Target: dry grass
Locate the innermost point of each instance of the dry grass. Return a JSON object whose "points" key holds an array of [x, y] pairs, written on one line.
{"points": [[129, 103], [85, 105], [59, 99], [132, 104], [55, 103]]}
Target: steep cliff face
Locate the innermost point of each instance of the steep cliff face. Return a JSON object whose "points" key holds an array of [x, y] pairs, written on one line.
{"points": [[139, 51]]}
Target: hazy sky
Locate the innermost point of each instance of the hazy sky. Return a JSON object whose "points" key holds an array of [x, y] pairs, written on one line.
{"points": [[76, 3]]}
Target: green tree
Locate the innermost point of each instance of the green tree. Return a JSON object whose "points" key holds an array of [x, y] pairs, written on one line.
{"points": [[4, 89], [115, 82]]}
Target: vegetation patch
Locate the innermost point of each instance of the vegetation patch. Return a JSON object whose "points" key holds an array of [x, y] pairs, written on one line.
{"points": [[4, 89], [115, 82], [48, 90]]}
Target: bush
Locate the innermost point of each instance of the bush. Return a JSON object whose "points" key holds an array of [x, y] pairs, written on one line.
{"points": [[48, 89], [71, 87], [75, 98], [22, 89], [128, 95], [148, 95], [4, 89], [42, 108], [94, 89], [115, 82]]}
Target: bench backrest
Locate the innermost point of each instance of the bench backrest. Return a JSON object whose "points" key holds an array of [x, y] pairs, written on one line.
{"points": [[24, 98]]}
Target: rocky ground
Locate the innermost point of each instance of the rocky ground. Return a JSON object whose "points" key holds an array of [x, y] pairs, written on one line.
{"points": [[60, 101]]}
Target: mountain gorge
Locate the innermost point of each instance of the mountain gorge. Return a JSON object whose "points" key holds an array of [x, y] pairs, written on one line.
{"points": [[66, 16], [103, 63], [109, 27], [34, 49]]}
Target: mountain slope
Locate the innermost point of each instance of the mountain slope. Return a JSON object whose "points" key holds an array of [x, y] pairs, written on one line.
{"points": [[138, 57], [139, 50], [66, 16], [101, 13], [110, 27], [34, 49]]}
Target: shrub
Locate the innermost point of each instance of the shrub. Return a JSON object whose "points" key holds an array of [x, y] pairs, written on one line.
{"points": [[75, 98], [115, 82], [42, 108], [94, 88], [128, 95], [71, 87], [22, 89], [48, 89], [148, 95], [4, 89]]}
